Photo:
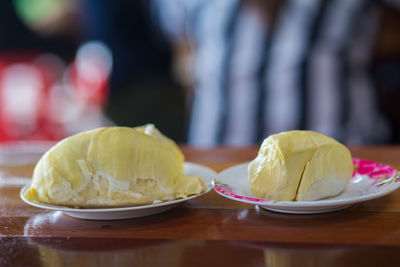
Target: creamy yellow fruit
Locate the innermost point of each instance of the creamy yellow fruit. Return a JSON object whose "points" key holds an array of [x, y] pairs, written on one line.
{"points": [[151, 130], [300, 166], [112, 166]]}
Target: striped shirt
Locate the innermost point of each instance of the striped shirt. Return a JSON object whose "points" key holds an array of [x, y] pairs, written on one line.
{"points": [[305, 69]]}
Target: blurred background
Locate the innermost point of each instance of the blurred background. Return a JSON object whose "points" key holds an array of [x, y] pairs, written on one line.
{"points": [[71, 65]]}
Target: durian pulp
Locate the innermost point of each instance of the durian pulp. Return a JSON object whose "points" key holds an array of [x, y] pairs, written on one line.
{"points": [[299, 165], [112, 166]]}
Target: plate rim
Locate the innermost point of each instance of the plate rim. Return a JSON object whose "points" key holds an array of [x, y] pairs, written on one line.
{"points": [[301, 204], [120, 209]]}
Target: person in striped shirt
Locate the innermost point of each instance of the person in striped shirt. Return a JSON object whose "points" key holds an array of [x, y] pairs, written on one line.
{"points": [[263, 67]]}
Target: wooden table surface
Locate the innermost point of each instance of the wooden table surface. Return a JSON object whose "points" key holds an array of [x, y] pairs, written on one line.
{"points": [[207, 231]]}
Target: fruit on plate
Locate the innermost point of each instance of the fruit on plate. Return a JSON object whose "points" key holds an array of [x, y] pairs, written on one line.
{"points": [[300, 166], [112, 166]]}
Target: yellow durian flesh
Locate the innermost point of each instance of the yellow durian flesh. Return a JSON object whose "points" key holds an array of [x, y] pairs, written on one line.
{"points": [[111, 166], [300, 165], [151, 130]]}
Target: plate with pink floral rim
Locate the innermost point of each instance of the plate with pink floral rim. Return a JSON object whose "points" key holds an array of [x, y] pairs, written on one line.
{"points": [[370, 180]]}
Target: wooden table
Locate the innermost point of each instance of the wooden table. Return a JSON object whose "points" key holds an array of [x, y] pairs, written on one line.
{"points": [[206, 231]]}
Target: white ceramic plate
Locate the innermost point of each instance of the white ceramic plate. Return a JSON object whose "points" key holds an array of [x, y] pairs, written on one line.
{"points": [[370, 180], [191, 169]]}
